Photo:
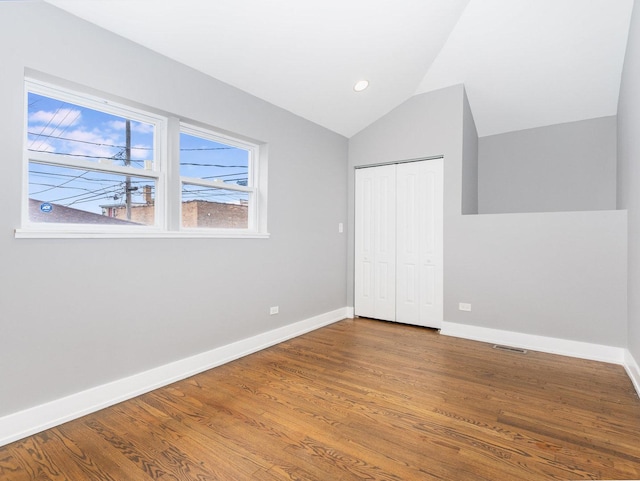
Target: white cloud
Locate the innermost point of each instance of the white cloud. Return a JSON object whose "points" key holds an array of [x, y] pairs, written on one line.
{"points": [[40, 145], [135, 126], [75, 142], [116, 124], [92, 144], [141, 152], [142, 128], [57, 119], [88, 136]]}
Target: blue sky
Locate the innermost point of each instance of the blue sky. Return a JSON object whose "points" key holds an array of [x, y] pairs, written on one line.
{"points": [[58, 127]]}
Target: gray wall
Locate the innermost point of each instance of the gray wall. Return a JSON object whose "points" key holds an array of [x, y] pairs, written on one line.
{"points": [[564, 167], [469, 160], [560, 275], [60, 330], [557, 274], [629, 172]]}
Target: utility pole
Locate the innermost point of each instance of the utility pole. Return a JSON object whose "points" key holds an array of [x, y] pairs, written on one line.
{"points": [[127, 162]]}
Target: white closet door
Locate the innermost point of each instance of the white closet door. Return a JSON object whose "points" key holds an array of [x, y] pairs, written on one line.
{"points": [[375, 239], [419, 294]]}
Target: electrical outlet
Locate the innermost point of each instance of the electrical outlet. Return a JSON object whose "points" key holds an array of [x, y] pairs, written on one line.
{"points": [[274, 310], [464, 306]]}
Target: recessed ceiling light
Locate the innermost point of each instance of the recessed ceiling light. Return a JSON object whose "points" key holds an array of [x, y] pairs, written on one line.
{"points": [[361, 85]]}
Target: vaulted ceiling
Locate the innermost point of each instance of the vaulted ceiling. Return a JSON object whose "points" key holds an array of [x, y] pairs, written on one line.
{"points": [[524, 63]]}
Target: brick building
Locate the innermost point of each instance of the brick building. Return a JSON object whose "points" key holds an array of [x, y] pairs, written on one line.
{"points": [[195, 213]]}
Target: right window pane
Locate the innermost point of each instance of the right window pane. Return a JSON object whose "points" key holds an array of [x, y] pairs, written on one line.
{"points": [[215, 175]]}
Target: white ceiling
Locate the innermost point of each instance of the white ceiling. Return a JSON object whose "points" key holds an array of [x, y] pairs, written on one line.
{"points": [[530, 63], [524, 63]]}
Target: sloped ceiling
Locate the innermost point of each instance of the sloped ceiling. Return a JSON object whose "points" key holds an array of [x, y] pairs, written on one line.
{"points": [[530, 63], [524, 63]]}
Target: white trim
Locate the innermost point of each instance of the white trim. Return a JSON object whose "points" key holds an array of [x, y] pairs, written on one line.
{"points": [[216, 184], [33, 420], [91, 101], [219, 137], [552, 345], [351, 312], [82, 164], [257, 171], [633, 370], [42, 233]]}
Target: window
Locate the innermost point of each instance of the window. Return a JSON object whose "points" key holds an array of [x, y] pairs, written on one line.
{"points": [[217, 181], [89, 163], [97, 167]]}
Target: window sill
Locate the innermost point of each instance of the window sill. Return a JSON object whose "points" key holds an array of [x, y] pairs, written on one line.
{"points": [[67, 234]]}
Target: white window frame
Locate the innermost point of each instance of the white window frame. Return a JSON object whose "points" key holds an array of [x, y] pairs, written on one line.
{"points": [[253, 176], [165, 174]]}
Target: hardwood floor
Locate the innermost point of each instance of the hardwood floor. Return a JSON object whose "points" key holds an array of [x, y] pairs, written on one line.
{"points": [[358, 400]]}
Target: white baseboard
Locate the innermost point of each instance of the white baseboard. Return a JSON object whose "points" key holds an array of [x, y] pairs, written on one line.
{"points": [[351, 312], [633, 370], [552, 345], [33, 420]]}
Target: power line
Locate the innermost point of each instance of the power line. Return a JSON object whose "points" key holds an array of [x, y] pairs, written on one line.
{"points": [[115, 146], [80, 155], [55, 174], [115, 188], [99, 144], [83, 179], [99, 192], [64, 183], [113, 157], [48, 123], [79, 112]]}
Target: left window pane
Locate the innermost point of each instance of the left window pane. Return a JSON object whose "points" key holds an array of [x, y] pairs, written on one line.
{"points": [[66, 129], [76, 196]]}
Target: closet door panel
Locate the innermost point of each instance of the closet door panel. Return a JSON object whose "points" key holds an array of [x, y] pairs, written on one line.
{"points": [[363, 276], [375, 266], [385, 243], [432, 259], [419, 243], [408, 289]]}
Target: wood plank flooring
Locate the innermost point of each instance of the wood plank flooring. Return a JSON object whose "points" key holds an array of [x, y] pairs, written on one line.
{"points": [[358, 400]]}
